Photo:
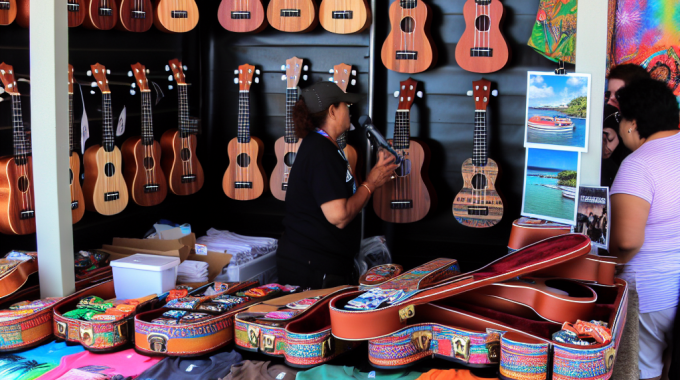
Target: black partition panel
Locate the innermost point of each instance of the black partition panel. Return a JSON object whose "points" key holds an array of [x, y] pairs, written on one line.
{"points": [[443, 119]]}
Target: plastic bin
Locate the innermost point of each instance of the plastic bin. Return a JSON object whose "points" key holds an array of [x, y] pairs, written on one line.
{"points": [[140, 275]]}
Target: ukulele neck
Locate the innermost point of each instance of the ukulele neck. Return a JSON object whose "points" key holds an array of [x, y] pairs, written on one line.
{"points": [[186, 128], [147, 120], [21, 146], [70, 123], [291, 99], [244, 117], [108, 138], [479, 153], [402, 130]]}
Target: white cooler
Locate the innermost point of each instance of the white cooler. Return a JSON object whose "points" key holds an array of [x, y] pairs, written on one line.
{"points": [[141, 275]]}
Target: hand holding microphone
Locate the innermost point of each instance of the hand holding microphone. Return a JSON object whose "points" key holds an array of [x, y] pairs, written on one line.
{"points": [[388, 159]]}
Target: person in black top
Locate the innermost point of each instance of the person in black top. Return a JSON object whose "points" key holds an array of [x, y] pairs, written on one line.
{"points": [[322, 234]]}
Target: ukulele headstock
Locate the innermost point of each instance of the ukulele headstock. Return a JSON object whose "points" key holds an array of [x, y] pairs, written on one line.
{"points": [[177, 71], [246, 76], [407, 93], [294, 67], [70, 79], [99, 74], [342, 76], [7, 77], [139, 72], [481, 90]]}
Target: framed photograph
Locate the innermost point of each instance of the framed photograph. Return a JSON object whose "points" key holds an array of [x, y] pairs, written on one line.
{"points": [[592, 215], [551, 180], [558, 107]]}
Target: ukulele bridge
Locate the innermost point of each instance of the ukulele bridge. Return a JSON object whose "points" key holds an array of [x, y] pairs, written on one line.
{"points": [[138, 14], [343, 15], [478, 210], [188, 178], [407, 55], [401, 205], [28, 214], [71, 7], [240, 15], [105, 12], [481, 52], [74, 205], [284, 186], [153, 188], [112, 196], [179, 14], [243, 185], [290, 13]]}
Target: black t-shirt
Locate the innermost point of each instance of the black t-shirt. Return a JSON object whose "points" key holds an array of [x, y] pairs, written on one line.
{"points": [[212, 368], [320, 174]]}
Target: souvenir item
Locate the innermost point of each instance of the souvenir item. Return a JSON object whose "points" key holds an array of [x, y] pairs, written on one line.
{"points": [[123, 365], [107, 317], [380, 274], [409, 47], [231, 300], [303, 303], [281, 315], [194, 318], [166, 321], [186, 303], [35, 363], [554, 33], [206, 368], [258, 292], [482, 47], [77, 197], [175, 314], [593, 329], [176, 294], [213, 307]]}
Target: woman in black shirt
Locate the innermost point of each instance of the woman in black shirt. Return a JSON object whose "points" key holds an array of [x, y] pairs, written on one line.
{"points": [[322, 234]]}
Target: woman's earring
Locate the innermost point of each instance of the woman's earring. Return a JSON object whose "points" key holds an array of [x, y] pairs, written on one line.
{"points": [[629, 130]]}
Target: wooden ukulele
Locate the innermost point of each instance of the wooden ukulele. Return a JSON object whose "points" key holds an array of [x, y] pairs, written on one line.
{"points": [[176, 16], [101, 14], [8, 11], [244, 178], [76, 12], [242, 17], [409, 47], [292, 15], [77, 198], [482, 48], [286, 147], [341, 76], [17, 206], [135, 15], [142, 154], [104, 186], [345, 16], [180, 164], [478, 204], [406, 199]]}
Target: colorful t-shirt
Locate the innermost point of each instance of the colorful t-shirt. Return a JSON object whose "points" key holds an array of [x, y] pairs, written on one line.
{"points": [[652, 173], [126, 363], [554, 33], [334, 372], [212, 368], [451, 374], [31, 364]]}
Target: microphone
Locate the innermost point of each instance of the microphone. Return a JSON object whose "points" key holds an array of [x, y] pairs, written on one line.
{"points": [[377, 138]]}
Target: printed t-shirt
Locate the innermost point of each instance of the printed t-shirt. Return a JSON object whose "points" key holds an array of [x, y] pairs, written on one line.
{"points": [[213, 368], [257, 370], [29, 365], [452, 374], [126, 363], [334, 372], [651, 173]]}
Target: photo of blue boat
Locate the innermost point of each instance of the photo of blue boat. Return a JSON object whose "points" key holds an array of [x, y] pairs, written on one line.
{"points": [[557, 111], [550, 185]]}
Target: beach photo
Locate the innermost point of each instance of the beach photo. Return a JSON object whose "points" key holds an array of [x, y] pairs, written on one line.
{"points": [[551, 180], [592, 215], [557, 111]]}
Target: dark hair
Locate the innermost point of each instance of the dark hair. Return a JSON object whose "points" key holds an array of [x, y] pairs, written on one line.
{"points": [[306, 122], [651, 104], [628, 73]]}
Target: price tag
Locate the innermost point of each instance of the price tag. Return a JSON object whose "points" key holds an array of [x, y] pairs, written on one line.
{"points": [[201, 249]]}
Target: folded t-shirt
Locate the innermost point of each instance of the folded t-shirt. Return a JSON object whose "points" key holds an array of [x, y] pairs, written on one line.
{"points": [[452, 374], [212, 368], [29, 365], [257, 370], [126, 363], [334, 372]]}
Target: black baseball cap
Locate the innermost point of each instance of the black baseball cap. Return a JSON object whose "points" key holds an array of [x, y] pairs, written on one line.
{"points": [[320, 96]]}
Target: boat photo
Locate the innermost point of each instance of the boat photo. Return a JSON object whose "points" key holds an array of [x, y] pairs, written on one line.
{"points": [[551, 124]]}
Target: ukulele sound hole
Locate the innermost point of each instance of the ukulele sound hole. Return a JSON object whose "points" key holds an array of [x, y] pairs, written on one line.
{"points": [[408, 25], [289, 158], [483, 23], [22, 184], [148, 163], [70, 176], [185, 154], [109, 169], [479, 182], [243, 160], [404, 169]]}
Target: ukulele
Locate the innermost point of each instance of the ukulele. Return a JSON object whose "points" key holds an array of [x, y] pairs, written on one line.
{"points": [[76, 13], [77, 198], [341, 77], [286, 147], [135, 15], [101, 14], [242, 17], [482, 48], [345, 16], [176, 16], [179, 162], [142, 155], [8, 11], [16, 172], [104, 186], [409, 47], [405, 199], [292, 15], [478, 204], [243, 179]]}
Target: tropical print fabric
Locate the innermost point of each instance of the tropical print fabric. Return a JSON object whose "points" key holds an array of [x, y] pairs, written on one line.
{"points": [[31, 364], [554, 33]]}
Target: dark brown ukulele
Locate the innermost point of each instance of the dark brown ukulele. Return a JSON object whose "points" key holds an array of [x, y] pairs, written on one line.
{"points": [[142, 155], [101, 14], [180, 164], [77, 198], [478, 204], [406, 199], [482, 48]]}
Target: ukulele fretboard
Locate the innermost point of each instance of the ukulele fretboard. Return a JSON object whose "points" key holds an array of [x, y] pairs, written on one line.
{"points": [[402, 130], [108, 136], [186, 127], [244, 117], [479, 153], [147, 119], [21, 145], [291, 99]]}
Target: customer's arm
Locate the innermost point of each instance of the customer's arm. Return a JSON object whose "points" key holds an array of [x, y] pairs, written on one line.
{"points": [[629, 218]]}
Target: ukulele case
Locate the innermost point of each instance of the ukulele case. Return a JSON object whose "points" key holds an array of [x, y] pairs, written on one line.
{"points": [[526, 231]]}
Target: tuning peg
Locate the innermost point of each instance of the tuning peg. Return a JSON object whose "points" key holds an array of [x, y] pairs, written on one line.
{"points": [[419, 94], [236, 72], [92, 92], [170, 87], [283, 77], [89, 73], [170, 78], [354, 72], [132, 92], [93, 84], [283, 67], [305, 68], [167, 68], [147, 71], [331, 71], [469, 93], [108, 72], [133, 85], [235, 80], [130, 73], [304, 77], [2, 90], [494, 93], [331, 79], [257, 71], [185, 68], [396, 94], [257, 79], [354, 82]]}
